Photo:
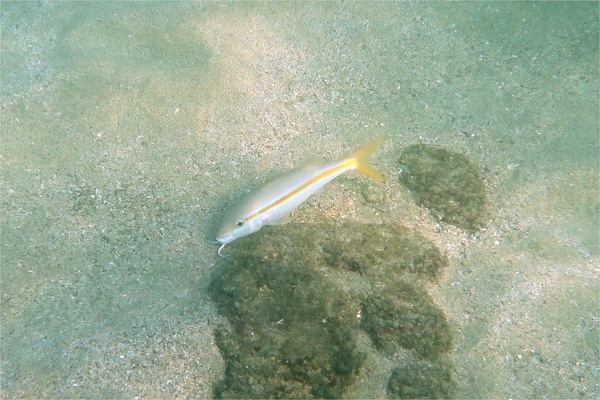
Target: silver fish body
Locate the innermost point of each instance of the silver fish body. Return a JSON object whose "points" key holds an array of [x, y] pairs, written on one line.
{"points": [[273, 202]]}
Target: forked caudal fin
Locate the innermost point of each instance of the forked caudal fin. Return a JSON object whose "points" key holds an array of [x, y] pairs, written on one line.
{"points": [[361, 155]]}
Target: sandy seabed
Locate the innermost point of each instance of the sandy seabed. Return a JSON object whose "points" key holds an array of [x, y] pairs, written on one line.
{"points": [[127, 128]]}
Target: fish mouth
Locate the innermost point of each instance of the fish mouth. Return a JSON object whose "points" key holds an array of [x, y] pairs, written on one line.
{"points": [[224, 238]]}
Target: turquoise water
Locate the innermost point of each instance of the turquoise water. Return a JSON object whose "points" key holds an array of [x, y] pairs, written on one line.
{"points": [[128, 127]]}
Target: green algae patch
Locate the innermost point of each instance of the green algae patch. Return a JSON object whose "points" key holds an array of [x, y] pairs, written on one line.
{"points": [[421, 380], [384, 253], [447, 183], [292, 330], [402, 316], [296, 297]]}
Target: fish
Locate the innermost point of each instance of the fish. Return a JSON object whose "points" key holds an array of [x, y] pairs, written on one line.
{"points": [[272, 203]]}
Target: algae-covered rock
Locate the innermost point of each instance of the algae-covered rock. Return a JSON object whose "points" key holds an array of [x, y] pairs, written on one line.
{"points": [[445, 182], [292, 329], [293, 294], [421, 380], [384, 253], [404, 316]]}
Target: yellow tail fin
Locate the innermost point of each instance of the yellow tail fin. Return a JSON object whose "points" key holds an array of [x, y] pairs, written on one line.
{"points": [[361, 156]]}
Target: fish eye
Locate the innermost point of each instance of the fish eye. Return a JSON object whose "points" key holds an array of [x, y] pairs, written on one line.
{"points": [[239, 223]]}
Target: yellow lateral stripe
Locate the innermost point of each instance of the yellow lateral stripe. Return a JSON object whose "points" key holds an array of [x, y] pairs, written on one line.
{"points": [[347, 163]]}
